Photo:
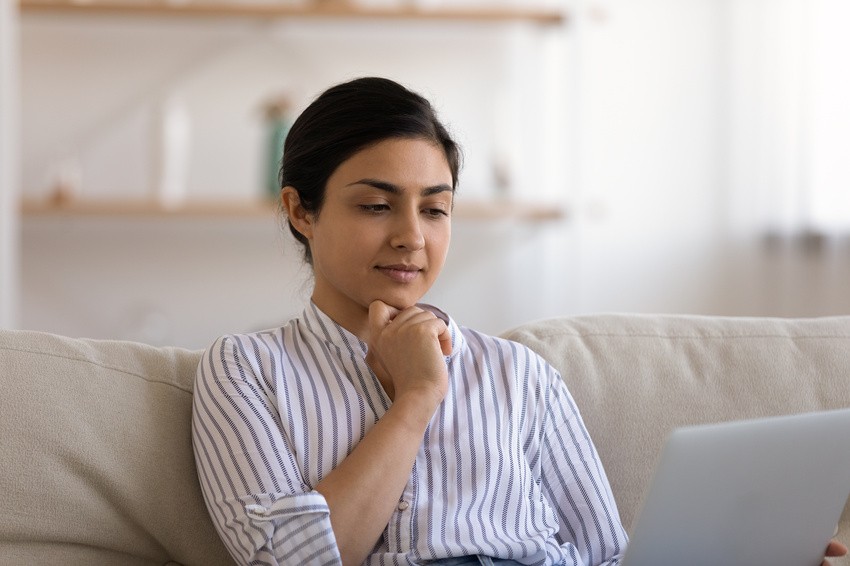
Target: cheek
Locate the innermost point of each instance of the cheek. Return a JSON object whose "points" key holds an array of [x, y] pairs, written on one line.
{"points": [[344, 243], [440, 241], [442, 238]]}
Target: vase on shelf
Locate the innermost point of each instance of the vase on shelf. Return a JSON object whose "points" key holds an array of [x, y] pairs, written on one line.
{"points": [[171, 153], [277, 122]]}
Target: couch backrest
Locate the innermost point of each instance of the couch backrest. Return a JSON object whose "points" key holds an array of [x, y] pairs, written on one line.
{"points": [[95, 441], [635, 378], [96, 455]]}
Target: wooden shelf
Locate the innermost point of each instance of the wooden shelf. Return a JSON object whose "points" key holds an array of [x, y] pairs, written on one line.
{"points": [[477, 210], [508, 210], [144, 208], [317, 9]]}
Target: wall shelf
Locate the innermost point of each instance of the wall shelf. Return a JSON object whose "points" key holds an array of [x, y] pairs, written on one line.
{"points": [[473, 210], [317, 10], [144, 208]]}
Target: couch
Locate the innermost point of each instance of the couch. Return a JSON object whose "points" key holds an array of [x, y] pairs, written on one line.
{"points": [[97, 465]]}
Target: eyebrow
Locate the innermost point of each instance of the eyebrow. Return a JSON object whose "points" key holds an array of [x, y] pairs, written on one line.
{"points": [[395, 189]]}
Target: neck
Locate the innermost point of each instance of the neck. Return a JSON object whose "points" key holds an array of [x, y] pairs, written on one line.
{"points": [[354, 318]]}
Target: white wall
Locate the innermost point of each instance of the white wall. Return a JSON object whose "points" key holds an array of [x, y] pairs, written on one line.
{"points": [[9, 183], [188, 281], [94, 87], [625, 119], [648, 159], [92, 117], [661, 180]]}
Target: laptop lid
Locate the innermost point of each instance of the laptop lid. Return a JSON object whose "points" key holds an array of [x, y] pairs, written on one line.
{"points": [[766, 491]]}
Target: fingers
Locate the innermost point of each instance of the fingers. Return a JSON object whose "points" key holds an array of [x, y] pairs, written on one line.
{"points": [[417, 319], [406, 351], [382, 314], [445, 338], [836, 548]]}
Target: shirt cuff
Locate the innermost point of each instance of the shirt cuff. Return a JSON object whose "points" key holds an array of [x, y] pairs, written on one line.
{"points": [[290, 529]]}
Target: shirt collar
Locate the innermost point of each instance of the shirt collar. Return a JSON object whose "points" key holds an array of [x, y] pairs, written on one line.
{"points": [[324, 327]]}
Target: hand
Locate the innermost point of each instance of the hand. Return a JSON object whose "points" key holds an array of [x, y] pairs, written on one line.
{"points": [[407, 349], [834, 549]]}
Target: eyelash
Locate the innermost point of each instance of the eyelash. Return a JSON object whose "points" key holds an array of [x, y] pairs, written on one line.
{"points": [[436, 212], [379, 208], [374, 208]]}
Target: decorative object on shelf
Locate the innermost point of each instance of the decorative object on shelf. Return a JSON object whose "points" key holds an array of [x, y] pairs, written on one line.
{"points": [[66, 181], [172, 145], [278, 121], [502, 178]]}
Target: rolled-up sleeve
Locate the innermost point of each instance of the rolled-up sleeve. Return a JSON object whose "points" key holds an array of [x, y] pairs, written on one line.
{"points": [[575, 482], [254, 491]]}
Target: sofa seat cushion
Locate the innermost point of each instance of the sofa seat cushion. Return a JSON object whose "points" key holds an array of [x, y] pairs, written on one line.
{"points": [[98, 469]]}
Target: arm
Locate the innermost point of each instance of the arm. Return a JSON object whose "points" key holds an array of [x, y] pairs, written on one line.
{"points": [[256, 496], [363, 491], [576, 484]]}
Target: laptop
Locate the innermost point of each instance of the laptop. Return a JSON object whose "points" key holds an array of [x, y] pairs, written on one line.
{"points": [[757, 492]]}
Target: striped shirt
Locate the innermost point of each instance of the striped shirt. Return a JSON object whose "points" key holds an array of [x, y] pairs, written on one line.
{"points": [[506, 467]]}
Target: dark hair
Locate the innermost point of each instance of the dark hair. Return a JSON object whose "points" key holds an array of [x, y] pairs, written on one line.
{"points": [[345, 119]]}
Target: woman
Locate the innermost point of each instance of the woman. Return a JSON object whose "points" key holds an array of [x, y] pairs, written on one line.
{"points": [[373, 428]]}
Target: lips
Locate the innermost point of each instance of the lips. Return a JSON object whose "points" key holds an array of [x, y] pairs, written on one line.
{"points": [[401, 273]]}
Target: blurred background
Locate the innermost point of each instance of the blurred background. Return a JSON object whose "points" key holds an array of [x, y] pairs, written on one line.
{"points": [[659, 156]]}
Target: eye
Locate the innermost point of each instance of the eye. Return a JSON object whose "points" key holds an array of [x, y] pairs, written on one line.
{"points": [[374, 208], [436, 212]]}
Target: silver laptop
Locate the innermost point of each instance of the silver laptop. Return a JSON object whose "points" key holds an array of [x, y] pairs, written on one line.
{"points": [[759, 492]]}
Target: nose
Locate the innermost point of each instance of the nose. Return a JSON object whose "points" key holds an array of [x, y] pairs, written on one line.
{"points": [[407, 232]]}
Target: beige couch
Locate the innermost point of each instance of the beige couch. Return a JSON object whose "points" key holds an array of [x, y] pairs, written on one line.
{"points": [[95, 445]]}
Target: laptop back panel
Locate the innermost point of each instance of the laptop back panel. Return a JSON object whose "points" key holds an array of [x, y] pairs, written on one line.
{"points": [[768, 491]]}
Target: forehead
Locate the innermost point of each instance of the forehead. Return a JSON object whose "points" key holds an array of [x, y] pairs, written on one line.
{"points": [[403, 161]]}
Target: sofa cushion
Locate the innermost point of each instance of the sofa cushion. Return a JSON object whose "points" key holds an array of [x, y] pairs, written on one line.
{"points": [[99, 468], [636, 377]]}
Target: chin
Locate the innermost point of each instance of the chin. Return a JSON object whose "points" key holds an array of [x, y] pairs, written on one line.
{"points": [[399, 303]]}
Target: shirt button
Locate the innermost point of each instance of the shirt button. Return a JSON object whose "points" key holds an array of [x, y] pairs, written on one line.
{"points": [[402, 505]]}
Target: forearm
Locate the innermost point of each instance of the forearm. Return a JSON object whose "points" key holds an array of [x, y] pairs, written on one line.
{"points": [[363, 491]]}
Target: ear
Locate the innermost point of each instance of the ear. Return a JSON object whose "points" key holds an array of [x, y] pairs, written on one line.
{"points": [[299, 218]]}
